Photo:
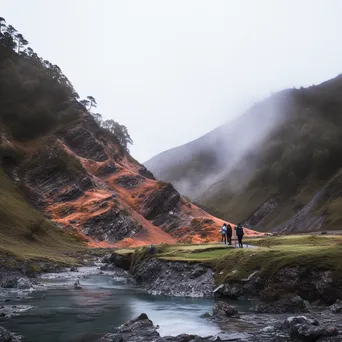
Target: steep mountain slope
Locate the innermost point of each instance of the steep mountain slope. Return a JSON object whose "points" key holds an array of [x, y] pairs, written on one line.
{"points": [[25, 232], [75, 172], [287, 181], [192, 168]]}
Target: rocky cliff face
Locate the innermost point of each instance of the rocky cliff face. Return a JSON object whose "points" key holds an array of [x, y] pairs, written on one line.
{"points": [[82, 179]]}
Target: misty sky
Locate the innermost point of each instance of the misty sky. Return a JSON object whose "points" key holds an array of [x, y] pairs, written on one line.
{"points": [[173, 70]]}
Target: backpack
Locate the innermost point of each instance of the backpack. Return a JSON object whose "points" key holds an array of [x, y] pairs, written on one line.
{"points": [[239, 230]]}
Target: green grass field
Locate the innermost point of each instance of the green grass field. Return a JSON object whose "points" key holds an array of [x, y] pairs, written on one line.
{"points": [[271, 254]]}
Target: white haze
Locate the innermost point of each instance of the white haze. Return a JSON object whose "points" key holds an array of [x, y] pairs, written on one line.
{"points": [[230, 144], [173, 70]]}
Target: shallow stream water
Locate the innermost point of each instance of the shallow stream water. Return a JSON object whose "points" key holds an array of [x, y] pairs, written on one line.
{"points": [[63, 314]]}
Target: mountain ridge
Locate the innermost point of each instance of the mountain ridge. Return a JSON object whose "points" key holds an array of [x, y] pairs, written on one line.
{"points": [[278, 174]]}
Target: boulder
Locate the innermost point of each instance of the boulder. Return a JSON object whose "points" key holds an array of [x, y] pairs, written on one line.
{"points": [[337, 307], [222, 309], [233, 290], [6, 336], [302, 328], [73, 269], [77, 285], [106, 259], [24, 284], [141, 329], [138, 329], [284, 305], [9, 283], [121, 260]]}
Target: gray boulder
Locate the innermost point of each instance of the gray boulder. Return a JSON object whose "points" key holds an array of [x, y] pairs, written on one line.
{"points": [[304, 329], [10, 282], [222, 309], [337, 307], [138, 329], [141, 329], [24, 284], [6, 336]]}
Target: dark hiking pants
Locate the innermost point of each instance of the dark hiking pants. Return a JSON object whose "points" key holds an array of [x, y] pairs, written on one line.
{"points": [[224, 237], [240, 240]]}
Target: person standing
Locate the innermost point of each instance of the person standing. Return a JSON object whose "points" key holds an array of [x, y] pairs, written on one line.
{"points": [[224, 233], [240, 233], [229, 233]]}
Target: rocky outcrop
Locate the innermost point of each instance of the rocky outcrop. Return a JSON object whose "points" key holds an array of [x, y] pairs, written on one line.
{"points": [[301, 328], [310, 285], [146, 173], [107, 169], [256, 218], [305, 220], [111, 226], [294, 329], [53, 173], [337, 307], [119, 260], [129, 181], [160, 203], [8, 311], [284, 305], [174, 278], [141, 329], [6, 336], [82, 142], [24, 284]]}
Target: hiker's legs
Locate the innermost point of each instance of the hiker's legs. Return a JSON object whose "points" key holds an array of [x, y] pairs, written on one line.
{"points": [[224, 238], [240, 241], [229, 240]]}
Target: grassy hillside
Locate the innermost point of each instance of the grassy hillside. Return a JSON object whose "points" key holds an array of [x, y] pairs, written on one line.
{"points": [[26, 234], [290, 168]]}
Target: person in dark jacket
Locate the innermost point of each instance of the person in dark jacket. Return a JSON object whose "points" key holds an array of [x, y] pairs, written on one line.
{"points": [[240, 233], [229, 233]]}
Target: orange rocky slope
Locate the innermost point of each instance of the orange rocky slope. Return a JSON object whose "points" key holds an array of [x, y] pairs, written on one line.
{"points": [[84, 181]]}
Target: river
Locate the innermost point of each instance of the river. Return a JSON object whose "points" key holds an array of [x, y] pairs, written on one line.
{"points": [[63, 314]]}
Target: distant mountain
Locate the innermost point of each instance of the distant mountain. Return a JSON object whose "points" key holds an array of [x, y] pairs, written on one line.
{"points": [[274, 167]]}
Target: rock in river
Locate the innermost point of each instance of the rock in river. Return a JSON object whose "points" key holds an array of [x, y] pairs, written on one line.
{"points": [[6, 336], [141, 329], [222, 309], [302, 328]]}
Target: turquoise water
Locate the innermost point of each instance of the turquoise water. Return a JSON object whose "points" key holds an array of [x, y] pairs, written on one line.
{"points": [[62, 314]]}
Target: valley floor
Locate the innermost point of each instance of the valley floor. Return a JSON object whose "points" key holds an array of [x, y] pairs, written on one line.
{"points": [[282, 275]]}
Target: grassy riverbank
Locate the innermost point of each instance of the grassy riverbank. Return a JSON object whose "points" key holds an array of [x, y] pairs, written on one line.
{"points": [[271, 254]]}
